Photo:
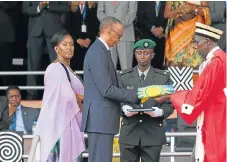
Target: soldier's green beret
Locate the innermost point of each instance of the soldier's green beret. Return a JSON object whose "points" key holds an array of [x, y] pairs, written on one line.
{"points": [[144, 44]]}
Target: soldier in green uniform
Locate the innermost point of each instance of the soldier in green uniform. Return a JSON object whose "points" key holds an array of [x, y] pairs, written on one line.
{"points": [[142, 134]]}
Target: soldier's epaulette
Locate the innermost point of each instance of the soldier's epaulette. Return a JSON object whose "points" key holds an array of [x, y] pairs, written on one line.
{"points": [[125, 71], [162, 72]]}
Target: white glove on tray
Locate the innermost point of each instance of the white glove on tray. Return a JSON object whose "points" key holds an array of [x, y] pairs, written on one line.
{"points": [[125, 109], [156, 113]]}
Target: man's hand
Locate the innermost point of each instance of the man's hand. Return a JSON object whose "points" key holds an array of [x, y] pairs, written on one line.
{"points": [[150, 103], [162, 99], [80, 42], [161, 36], [125, 109], [156, 113], [86, 42], [43, 4], [91, 4], [157, 31], [12, 109], [74, 5]]}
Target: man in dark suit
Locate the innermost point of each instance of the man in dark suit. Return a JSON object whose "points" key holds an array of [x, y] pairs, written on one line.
{"points": [[4, 114], [7, 37], [142, 134], [16, 117], [152, 25], [102, 96], [44, 21], [125, 11], [218, 20], [82, 23]]}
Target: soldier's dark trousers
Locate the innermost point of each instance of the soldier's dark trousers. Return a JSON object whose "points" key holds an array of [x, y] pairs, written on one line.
{"points": [[131, 153]]}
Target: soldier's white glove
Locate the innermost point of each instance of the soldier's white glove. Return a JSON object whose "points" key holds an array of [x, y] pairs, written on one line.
{"points": [[156, 113], [125, 109]]}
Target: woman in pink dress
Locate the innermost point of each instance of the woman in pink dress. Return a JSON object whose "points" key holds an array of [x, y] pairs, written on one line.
{"points": [[60, 118]]}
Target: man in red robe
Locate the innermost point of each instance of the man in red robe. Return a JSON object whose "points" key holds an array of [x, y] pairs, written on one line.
{"points": [[206, 102]]}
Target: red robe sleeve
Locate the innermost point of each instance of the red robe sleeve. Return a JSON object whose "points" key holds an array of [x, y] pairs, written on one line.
{"points": [[190, 104]]}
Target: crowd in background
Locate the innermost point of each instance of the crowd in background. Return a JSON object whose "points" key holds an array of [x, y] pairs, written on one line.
{"points": [[26, 29]]}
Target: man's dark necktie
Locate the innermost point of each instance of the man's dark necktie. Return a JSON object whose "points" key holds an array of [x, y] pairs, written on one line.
{"points": [[142, 76]]}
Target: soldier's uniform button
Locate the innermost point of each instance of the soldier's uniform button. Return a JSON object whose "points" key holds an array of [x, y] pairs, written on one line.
{"points": [[160, 124], [141, 105], [140, 121]]}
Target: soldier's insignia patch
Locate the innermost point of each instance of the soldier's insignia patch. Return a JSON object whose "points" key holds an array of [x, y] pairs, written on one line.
{"points": [[145, 44]]}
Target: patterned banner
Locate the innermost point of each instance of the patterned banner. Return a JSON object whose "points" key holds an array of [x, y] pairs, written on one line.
{"points": [[182, 78], [11, 147]]}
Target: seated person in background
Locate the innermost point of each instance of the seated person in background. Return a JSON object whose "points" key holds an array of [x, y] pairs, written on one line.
{"points": [[4, 115], [20, 118]]}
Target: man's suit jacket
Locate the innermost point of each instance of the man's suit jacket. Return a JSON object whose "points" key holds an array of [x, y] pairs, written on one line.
{"points": [[4, 114], [29, 115], [74, 20], [48, 20], [141, 129], [147, 18], [125, 11], [102, 96], [7, 19], [217, 8]]}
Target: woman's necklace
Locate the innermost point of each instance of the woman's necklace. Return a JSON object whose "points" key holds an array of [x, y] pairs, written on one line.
{"points": [[63, 62]]}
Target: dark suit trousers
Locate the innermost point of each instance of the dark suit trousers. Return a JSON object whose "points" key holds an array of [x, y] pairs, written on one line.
{"points": [[131, 153], [158, 60], [100, 147], [35, 51], [6, 51], [77, 61]]}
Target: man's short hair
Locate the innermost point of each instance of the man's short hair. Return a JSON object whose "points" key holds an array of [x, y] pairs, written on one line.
{"points": [[107, 23], [12, 87]]}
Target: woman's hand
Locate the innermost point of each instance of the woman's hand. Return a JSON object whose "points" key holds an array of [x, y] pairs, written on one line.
{"points": [[189, 8], [79, 99]]}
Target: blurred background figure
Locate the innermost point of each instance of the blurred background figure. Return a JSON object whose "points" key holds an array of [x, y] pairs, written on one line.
{"points": [[218, 19], [4, 114], [152, 26], [125, 11], [182, 16], [44, 20], [82, 23], [61, 139], [7, 38]]}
